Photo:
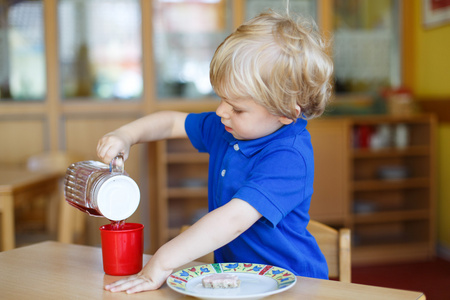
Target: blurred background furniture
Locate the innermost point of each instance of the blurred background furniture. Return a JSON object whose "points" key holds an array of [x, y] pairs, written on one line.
{"points": [[20, 185], [382, 189], [70, 222], [379, 186]]}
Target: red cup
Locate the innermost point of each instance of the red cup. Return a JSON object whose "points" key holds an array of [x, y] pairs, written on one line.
{"points": [[122, 249]]}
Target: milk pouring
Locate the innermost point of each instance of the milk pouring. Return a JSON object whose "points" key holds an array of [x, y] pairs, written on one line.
{"points": [[101, 190]]}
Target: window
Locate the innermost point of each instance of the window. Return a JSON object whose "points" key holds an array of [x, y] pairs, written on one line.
{"points": [[22, 52], [366, 45], [305, 8], [100, 49], [186, 34]]}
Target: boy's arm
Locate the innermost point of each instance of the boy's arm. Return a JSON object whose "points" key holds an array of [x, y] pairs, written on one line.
{"points": [[214, 230], [156, 126]]}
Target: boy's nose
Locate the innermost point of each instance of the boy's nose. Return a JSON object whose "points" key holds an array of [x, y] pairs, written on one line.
{"points": [[221, 110]]}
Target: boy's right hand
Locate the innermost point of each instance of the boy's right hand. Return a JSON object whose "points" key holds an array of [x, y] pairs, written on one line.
{"points": [[111, 144]]}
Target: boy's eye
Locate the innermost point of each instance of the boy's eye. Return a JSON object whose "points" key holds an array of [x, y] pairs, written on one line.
{"points": [[236, 111]]}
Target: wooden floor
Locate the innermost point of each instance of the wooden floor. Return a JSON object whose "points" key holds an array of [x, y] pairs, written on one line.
{"points": [[430, 277]]}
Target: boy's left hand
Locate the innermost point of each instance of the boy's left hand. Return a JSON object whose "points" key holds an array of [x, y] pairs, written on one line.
{"points": [[143, 281]]}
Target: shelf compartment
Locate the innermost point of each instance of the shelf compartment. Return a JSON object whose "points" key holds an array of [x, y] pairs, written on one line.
{"points": [[180, 146], [366, 132], [391, 200], [392, 233], [391, 168], [187, 192], [391, 216], [186, 158], [421, 150], [395, 252], [373, 185], [186, 211], [411, 120], [187, 175]]}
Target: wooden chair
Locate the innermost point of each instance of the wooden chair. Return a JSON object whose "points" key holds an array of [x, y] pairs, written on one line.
{"points": [[70, 222], [335, 245]]}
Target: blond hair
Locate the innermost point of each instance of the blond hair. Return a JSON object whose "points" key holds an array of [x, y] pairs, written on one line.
{"points": [[276, 61]]}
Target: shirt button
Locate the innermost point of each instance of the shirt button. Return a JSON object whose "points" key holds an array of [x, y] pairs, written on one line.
{"points": [[236, 147], [223, 172]]}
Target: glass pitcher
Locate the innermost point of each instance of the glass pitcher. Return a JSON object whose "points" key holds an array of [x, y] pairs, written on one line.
{"points": [[101, 190]]}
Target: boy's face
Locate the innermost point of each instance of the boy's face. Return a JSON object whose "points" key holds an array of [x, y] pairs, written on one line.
{"points": [[247, 120]]}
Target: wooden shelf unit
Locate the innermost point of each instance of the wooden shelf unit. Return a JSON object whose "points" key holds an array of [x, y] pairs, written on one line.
{"points": [[390, 219], [396, 221], [179, 188], [400, 221]]}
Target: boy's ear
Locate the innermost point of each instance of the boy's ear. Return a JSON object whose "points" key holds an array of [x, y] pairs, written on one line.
{"points": [[287, 121]]}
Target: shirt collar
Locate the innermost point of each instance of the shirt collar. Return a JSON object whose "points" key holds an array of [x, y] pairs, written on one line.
{"points": [[250, 147]]}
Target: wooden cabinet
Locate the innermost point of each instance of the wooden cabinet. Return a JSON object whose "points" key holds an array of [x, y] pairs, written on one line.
{"points": [[330, 139], [383, 191], [376, 175], [393, 190]]}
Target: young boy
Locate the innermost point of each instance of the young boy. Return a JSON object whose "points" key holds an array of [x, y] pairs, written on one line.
{"points": [[271, 74]]}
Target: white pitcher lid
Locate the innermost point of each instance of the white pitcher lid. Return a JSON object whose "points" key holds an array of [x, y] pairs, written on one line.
{"points": [[118, 197]]}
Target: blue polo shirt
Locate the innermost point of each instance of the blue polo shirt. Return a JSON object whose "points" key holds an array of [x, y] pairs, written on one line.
{"points": [[275, 175]]}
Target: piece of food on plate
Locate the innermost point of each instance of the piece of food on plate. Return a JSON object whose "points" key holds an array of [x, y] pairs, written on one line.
{"points": [[221, 281]]}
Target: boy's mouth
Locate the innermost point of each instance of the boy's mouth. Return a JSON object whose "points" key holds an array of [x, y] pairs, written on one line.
{"points": [[228, 128]]}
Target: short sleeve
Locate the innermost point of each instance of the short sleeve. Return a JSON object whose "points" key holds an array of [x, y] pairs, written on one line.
{"points": [[202, 129], [277, 184]]}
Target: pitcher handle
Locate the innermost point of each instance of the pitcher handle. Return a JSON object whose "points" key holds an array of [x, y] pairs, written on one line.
{"points": [[117, 164]]}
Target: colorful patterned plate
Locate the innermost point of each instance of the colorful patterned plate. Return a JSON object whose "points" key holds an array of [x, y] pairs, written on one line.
{"points": [[257, 281]]}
